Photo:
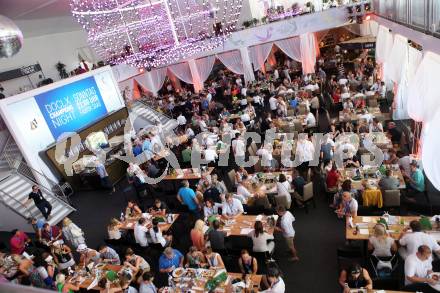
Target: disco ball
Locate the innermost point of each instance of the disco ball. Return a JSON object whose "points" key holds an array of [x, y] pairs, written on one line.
{"points": [[11, 38]]}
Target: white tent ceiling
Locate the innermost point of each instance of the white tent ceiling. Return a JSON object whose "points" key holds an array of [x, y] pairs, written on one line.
{"points": [[40, 17]]}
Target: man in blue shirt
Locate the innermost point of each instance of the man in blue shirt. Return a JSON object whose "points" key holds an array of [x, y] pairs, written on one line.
{"points": [[137, 148], [170, 260], [415, 180], [147, 147], [103, 175], [187, 196]]}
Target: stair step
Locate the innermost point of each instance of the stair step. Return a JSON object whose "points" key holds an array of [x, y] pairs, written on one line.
{"points": [[18, 188]]}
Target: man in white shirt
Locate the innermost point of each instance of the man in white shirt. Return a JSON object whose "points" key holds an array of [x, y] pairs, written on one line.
{"points": [[286, 227], [239, 148], [245, 118], [265, 152], [305, 149], [210, 154], [366, 116], [310, 119], [273, 104], [404, 162], [276, 283], [244, 92], [231, 207], [257, 100], [242, 192], [418, 267], [190, 133], [349, 206], [181, 120], [140, 233], [410, 241], [314, 103], [202, 125]]}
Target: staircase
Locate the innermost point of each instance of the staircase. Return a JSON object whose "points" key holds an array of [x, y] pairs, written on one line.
{"points": [[143, 110], [16, 180], [13, 151], [14, 191]]}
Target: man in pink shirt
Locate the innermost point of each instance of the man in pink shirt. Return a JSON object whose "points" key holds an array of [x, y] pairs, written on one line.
{"points": [[18, 242]]}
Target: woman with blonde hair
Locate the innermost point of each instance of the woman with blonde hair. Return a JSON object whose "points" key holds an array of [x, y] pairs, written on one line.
{"points": [[114, 229], [197, 235], [62, 254], [72, 233], [63, 286], [381, 244]]}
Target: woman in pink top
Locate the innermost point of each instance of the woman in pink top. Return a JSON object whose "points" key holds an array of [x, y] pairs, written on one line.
{"points": [[197, 235]]}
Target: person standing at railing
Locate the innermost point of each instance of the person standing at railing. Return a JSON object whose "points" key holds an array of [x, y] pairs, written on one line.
{"points": [[42, 204]]}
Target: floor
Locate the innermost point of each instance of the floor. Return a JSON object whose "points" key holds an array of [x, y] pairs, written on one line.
{"points": [[319, 234]]}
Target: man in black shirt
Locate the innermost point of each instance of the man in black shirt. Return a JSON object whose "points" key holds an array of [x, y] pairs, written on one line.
{"points": [[42, 204], [394, 132]]}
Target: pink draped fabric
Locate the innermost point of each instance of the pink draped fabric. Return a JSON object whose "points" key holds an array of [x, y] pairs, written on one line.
{"points": [[182, 72], [259, 54], [153, 80], [232, 61], [291, 47], [308, 52]]}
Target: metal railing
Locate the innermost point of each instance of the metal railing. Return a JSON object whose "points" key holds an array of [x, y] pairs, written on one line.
{"points": [[5, 195], [21, 167], [422, 15], [150, 105], [55, 189]]}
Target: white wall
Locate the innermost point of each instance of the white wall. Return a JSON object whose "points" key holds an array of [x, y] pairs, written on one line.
{"points": [[47, 50], [10, 220]]}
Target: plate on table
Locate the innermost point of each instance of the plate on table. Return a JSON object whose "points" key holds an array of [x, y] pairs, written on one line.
{"points": [[207, 273], [436, 286], [179, 272]]}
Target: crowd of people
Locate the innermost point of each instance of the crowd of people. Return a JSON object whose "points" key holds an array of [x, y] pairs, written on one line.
{"points": [[225, 112]]}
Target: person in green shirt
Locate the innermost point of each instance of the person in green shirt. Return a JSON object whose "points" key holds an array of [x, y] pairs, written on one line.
{"points": [[63, 286], [415, 180], [186, 156]]}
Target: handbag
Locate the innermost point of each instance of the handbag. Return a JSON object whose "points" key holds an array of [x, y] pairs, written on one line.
{"points": [[383, 268]]}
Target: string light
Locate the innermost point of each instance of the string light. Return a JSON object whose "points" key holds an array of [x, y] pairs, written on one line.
{"points": [[154, 33]]}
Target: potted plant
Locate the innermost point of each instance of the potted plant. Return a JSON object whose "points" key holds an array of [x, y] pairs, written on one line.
{"points": [[246, 23], [254, 21], [61, 70]]}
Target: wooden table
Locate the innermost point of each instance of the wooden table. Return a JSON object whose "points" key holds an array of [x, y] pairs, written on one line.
{"points": [[244, 224], [356, 115], [188, 174], [269, 179], [128, 224], [197, 284], [369, 222], [380, 139], [349, 173], [87, 280], [289, 121]]}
